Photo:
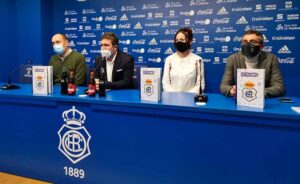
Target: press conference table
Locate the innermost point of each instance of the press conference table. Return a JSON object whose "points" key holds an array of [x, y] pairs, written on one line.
{"points": [[133, 141]]}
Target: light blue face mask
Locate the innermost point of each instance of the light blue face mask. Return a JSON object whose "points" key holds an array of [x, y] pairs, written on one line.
{"points": [[58, 49]]}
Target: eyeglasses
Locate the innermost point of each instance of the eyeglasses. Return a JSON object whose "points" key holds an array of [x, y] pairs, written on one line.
{"points": [[251, 42]]}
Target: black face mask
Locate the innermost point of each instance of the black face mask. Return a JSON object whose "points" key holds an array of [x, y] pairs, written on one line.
{"points": [[182, 46], [250, 50]]}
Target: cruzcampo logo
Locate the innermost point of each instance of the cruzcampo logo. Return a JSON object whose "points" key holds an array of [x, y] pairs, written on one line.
{"points": [[74, 139]]}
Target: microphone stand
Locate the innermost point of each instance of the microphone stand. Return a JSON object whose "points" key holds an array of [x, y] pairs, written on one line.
{"points": [[200, 97], [10, 86]]}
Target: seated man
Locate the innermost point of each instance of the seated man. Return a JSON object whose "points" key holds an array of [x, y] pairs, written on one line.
{"points": [[252, 57], [117, 65], [66, 58]]}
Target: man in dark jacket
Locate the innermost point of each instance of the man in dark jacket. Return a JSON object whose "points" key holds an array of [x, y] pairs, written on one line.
{"points": [[118, 66], [252, 57]]}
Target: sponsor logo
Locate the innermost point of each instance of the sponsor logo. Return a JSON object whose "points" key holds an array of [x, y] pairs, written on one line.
{"points": [[123, 18], [139, 42], [125, 49], [268, 48], [209, 50], [254, 19], [74, 139], [87, 28], [154, 51], [152, 42], [95, 51], [289, 60], [111, 18], [108, 10], [200, 31], [84, 20], [216, 60], [172, 13], [149, 33], [225, 30], [94, 43], [113, 26], [88, 35], [174, 23], [80, 28], [152, 24], [222, 39], [258, 8], [284, 50], [225, 1], [158, 15], [128, 33], [150, 6], [83, 43], [128, 8], [203, 22], [187, 13], [169, 51], [98, 26], [140, 51], [222, 11], [187, 21], [221, 21], [138, 16], [258, 28], [269, 7], [124, 26], [70, 12], [97, 19], [288, 4], [236, 49], [198, 2], [141, 59], [88, 11], [279, 17], [205, 12], [170, 31], [292, 17], [125, 42], [285, 27], [289, 38], [155, 60], [71, 35], [237, 39], [84, 52], [242, 20], [173, 4], [72, 44], [241, 9], [166, 41], [206, 60], [70, 28], [138, 26]]}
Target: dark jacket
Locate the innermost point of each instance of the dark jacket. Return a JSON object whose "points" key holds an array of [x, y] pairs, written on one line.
{"points": [[122, 74], [274, 85]]}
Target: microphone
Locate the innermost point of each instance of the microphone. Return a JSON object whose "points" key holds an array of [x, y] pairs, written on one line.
{"points": [[10, 86], [200, 97]]}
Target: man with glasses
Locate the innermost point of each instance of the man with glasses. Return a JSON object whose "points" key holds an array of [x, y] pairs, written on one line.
{"points": [[253, 57]]}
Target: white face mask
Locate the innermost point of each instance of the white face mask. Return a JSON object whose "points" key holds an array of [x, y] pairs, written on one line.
{"points": [[58, 49], [105, 53]]}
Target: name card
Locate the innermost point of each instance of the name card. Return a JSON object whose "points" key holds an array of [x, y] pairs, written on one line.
{"points": [[151, 84], [251, 88]]}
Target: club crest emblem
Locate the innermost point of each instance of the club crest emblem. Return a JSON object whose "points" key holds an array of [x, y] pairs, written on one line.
{"points": [[74, 139], [249, 92], [148, 87]]}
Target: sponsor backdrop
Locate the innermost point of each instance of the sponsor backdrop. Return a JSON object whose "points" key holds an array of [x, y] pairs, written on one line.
{"points": [[146, 30]]}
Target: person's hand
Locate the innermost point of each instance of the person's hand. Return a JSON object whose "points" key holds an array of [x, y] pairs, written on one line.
{"points": [[233, 90]]}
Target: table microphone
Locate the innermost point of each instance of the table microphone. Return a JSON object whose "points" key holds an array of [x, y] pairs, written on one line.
{"points": [[10, 86], [200, 97]]}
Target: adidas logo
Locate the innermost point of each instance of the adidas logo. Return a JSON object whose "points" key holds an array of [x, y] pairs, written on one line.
{"points": [[284, 50], [153, 42], [169, 51], [138, 26], [242, 20], [84, 52], [124, 18], [222, 11], [72, 44]]}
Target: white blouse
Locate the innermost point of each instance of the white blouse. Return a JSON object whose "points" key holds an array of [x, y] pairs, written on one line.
{"points": [[183, 74]]}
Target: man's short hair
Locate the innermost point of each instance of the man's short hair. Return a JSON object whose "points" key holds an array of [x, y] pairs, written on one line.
{"points": [[112, 37], [257, 33], [64, 36]]}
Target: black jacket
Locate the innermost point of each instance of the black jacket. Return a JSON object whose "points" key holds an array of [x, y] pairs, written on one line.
{"points": [[122, 74]]}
